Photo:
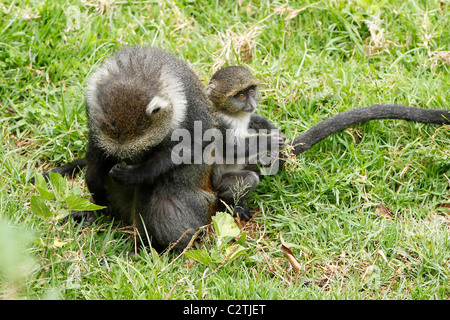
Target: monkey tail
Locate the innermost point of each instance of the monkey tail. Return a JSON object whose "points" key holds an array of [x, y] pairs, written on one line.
{"points": [[348, 118]]}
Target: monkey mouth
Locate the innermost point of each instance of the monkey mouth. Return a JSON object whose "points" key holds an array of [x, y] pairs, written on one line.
{"points": [[249, 109]]}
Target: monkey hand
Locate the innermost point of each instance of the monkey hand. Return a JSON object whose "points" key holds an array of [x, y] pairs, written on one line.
{"points": [[277, 132], [144, 173], [127, 175], [275, 141], [278, 138]]}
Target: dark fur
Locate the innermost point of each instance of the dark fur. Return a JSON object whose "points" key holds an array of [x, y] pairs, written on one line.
{"points": [[348, 118], [181, 197]]}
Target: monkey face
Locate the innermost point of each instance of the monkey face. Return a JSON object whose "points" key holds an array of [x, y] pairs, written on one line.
{"points": [[245, 100], [233, 90]]}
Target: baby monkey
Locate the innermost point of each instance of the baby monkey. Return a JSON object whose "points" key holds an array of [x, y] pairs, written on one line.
{"points": [[234, 93]]}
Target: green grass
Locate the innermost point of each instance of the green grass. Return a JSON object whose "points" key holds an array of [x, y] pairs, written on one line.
{"points": [[313, 63]]}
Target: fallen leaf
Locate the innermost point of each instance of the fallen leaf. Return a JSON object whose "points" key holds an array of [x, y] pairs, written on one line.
{"points": [[290, 255], [383, 211], [58, 243]]}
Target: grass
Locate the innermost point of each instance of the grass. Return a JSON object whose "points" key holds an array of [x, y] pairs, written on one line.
{"points": [[366, 211]]}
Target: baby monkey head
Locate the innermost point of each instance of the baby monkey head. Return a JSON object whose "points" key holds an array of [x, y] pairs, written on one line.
{"points": [[234, 90]]}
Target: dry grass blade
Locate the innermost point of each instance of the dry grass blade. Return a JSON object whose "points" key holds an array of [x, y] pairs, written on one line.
{"points": [[292, 13], [234, 45]]}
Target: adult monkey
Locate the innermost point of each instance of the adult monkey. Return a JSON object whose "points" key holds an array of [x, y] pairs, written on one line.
{"points": [[134, 102]]}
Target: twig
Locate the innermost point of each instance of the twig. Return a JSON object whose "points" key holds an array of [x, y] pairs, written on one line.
{"points": [[187, 247], [173, 288], [225, 260], [178, 241]]}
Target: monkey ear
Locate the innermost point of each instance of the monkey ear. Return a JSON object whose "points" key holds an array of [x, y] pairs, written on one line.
{"points": [[210, 88], [156, 105]]}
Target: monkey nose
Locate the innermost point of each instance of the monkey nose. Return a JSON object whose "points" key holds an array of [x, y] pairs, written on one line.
{"points": [[250, 106]]}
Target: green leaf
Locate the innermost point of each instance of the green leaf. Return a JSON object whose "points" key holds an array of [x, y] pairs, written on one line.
{"points": [[225, 226], [62, 214], [45, 193], [42, 186], [76, 203], [241, 239], [39, 181], [199, 255], [58, 243], [238, 251], [59, 185], [39, 207], [216, 256]]}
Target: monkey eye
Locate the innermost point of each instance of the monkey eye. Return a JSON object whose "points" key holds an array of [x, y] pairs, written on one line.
{"points": [[240, 95], [251, 91]]}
